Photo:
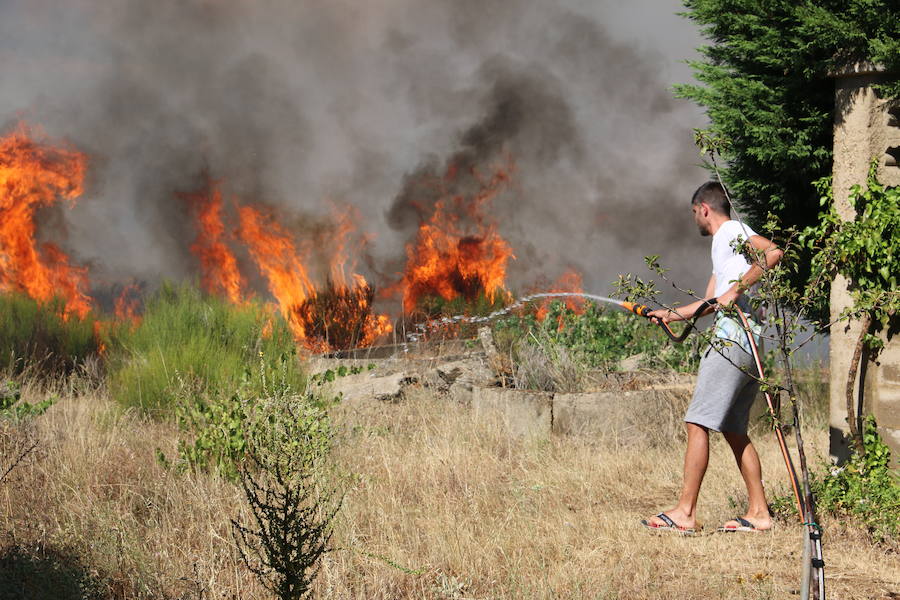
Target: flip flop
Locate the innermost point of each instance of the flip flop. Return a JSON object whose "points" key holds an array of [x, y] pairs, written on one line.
{"points": [[670, 526], [745, 526]]}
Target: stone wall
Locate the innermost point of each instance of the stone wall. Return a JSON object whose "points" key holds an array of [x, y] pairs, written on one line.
{"points": [[647, 415], [865, 127]]}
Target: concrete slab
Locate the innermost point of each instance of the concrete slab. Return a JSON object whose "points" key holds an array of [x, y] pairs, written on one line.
{"points": [[523, 412], [371, 386]]}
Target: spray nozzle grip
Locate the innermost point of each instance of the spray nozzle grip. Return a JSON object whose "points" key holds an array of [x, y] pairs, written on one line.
{"points": [[638, 309]]}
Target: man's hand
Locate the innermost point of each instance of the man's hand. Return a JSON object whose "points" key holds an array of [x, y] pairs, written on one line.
{"points": [[728, 298], [682, 313], [664, 315]]}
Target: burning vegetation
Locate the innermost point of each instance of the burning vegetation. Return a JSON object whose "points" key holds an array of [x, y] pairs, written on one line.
{"points": [[457, 252], [338, 316], [219, 274], [456, 260]]}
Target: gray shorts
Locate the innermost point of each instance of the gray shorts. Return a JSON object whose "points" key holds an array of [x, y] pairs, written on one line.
{"points": [[725, 391]]}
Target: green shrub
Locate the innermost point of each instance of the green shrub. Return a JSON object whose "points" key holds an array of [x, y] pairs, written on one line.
{"points": [[220, 429], [865, 489], [204, 345], [34, 333], [13, 408], [217, 438], [599, 337]]}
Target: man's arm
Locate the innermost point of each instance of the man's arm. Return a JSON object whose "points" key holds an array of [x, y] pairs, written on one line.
{"points": [[682, 313], [761, 249], [758, 243]]}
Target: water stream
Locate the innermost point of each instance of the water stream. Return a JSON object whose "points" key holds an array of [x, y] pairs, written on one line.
{"points": [[434, 323]]}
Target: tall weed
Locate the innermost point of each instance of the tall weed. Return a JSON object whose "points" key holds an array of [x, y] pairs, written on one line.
{"points": [[185, 336], [284, 479]]}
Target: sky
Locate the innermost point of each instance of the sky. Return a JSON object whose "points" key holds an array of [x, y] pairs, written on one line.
{"points": [[315, 107]]}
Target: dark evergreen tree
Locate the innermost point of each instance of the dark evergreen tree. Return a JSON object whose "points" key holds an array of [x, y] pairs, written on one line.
{"points": [[766, 85]]}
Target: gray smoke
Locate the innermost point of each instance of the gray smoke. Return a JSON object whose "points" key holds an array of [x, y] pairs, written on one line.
{"points": [[301, 104]]}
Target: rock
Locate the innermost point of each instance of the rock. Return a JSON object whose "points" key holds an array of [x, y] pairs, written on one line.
{"points": [[458, 378], [632, 363], [500, 364], [372, 386]]}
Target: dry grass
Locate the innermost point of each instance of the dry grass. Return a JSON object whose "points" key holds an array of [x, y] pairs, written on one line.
{"points": [[479, 515], [94, 489], [440, 505]]}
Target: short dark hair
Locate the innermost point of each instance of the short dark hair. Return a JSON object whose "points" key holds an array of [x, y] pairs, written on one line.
{"points": [[713, 194]]}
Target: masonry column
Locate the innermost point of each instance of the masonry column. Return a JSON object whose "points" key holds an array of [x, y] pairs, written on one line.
{"points": [[865, 127]]}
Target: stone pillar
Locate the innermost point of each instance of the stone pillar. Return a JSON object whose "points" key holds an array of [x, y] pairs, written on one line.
{"points": [[865, 127]]}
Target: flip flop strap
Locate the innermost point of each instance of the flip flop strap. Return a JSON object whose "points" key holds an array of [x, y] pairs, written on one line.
{"points": [[668, 521], [744, 522]]}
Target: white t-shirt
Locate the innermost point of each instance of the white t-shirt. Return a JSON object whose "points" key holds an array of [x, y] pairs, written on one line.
{"points": [[728, 264]]}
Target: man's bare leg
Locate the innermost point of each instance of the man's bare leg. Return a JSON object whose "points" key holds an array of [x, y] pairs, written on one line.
{"points": [[751, 470], [696, 459]]}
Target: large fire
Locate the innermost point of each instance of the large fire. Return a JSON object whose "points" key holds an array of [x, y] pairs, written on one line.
{"points": [[33, 175], [458, 251]]}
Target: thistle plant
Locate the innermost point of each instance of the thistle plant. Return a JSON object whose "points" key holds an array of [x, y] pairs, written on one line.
{"points": [[284, 479]]}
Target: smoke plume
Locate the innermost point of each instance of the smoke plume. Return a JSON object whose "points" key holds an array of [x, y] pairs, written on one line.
{"points": [[301, 105]]}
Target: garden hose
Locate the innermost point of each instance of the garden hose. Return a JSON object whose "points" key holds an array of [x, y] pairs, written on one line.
{"points": [[643, 311], [812, 550]]}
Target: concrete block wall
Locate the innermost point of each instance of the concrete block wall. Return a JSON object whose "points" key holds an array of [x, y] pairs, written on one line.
{"points": [[865, 127], [653, 413]]}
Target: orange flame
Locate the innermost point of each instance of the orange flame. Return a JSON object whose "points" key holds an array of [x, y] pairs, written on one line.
{"points": [[340, 314], [275, 254], [127, 305], [219, 269], [360, 326], [32, 175], [570, 281], [101, 329], [454, 256]]}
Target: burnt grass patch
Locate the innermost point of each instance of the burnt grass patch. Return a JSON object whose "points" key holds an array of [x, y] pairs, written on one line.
{"points": [[48, 573]]}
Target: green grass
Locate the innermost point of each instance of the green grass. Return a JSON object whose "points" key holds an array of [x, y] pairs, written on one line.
{"points": [[35, 334], [187, 342]]}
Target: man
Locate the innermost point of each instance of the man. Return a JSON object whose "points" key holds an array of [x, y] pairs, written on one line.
{"points": [[725, 388]]}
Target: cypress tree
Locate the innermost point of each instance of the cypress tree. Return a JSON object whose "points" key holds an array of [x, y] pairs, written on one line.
{"points": [[765, 81]]}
